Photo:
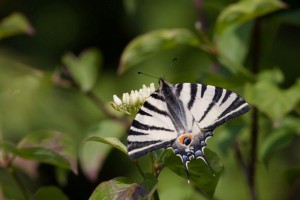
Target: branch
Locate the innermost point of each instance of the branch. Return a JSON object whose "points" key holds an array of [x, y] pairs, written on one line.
{"points": [[254, 131], [57, 80], [239, 157], [101, 105]]}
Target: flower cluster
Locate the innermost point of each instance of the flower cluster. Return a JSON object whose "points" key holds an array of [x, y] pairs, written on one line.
{"points": [[131, 103]]}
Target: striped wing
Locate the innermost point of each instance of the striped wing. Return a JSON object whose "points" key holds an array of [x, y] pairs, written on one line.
{"points": [[151, 129], [209, 106]]}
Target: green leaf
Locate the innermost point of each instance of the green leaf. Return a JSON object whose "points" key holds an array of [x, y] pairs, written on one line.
{"points": [[153, 42], [235, 67], [43, 155], [279, 138], [49, 193], [237, 39], [114, 142], [6, 146], [15, 24], [8, 187], [39, 154], [232, 36], [201, 176], [149, 184], [84, 68], [92, 154], [50, 147], [274, 75], [243, 11], [271, 100], [230, 133], [123, 188]]}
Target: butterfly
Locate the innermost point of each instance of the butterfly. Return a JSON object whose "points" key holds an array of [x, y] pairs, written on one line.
{"points": [[181, 117]]}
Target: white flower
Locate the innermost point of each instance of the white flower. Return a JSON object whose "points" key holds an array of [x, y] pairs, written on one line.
{"points": [[117, 100], [131, 103], [152, 88], [125, 98]]}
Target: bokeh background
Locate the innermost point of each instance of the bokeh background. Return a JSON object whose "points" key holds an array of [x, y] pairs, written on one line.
{"points": [[31, 101]]}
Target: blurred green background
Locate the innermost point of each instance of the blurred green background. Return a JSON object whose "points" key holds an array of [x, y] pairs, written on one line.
{"points": [[31, 100]]}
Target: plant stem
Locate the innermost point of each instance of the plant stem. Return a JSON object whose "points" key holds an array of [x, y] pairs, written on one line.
{"points": [[239, 157], [155, 171], [139, 168], [101, 105], [254, 131], [96, 100], [18, 182], [253, 153], [155, 195]]}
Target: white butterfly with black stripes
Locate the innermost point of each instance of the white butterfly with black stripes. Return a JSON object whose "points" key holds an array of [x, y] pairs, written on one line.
{"points": [[182, 116]]}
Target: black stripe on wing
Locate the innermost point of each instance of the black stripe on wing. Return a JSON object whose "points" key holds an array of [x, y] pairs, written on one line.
{"points": [[155, 95], [194, 89], [203, 89], [157, 144], [138, 125], [216, 98], [179, 88], [132, 132], [154, 109], [227, 94], [238, 107], [142, 112], [234, 105]]}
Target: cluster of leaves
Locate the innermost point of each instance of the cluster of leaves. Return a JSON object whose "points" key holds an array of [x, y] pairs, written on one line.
{"points": [[232, 29]]}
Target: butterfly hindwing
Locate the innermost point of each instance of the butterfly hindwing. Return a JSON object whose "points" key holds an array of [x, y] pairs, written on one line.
{"points": [[152, 127]]}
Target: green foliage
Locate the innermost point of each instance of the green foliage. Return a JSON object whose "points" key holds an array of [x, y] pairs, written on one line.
{"points": [[114, 142], [47, 147], [123, 188], [15, 24], [265, 92], [143, 46], [74, 98], [280, 137], [206, 179], [84, 69], [244, 11], [48, 193], [92, 155]]}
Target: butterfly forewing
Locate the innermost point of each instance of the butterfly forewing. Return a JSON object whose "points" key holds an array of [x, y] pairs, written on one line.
{"points": [[211, 106], [152, 127]]}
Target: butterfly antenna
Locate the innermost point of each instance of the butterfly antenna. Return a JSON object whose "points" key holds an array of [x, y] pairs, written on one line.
{"points": [[148, 75]]}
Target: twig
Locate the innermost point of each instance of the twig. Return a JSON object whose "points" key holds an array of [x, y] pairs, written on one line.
{"points": [[139, 168], [155, 170], [57, 80], [239, 157], [254, 126], [253, 154], [101, 105]]}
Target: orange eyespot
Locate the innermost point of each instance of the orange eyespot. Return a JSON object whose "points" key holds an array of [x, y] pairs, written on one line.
{"points": [[185, 139]]}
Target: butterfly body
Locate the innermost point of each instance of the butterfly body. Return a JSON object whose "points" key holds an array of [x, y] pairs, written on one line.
{"points": [[181, 117]]}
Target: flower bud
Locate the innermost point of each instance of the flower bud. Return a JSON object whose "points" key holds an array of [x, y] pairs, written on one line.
{"points": [[117, 100]]}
